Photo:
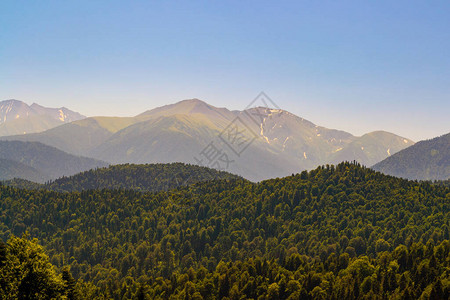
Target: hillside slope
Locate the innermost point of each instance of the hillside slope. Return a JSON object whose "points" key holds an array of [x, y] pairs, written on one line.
{"points": [[12, 169], [372, 148], [426, 160], [79, 137], [49, 162]]}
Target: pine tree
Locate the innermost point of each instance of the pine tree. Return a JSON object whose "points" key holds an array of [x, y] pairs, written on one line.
{"points": [[69, 283]]}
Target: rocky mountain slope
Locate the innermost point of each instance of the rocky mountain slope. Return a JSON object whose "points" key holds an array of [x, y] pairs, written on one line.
{"points": [[17, 117]]}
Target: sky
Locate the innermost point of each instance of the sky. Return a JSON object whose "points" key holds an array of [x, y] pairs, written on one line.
{"points": [[357, 66]]}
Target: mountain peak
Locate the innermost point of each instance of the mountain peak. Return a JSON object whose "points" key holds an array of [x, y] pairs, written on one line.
{"points": [[34, 104], [11, 101], [193, 104], [193, 100], [17, 117], [187, 107]]}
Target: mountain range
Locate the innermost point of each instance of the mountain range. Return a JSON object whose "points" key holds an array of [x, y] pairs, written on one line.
{"points": [[17, 117], [426, 160], [256, 143]]}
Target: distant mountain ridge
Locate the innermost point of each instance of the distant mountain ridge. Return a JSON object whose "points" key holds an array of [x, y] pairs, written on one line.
{"points": [[40, 163], [10, 169], [17, 117], [281, 143], [426, 160]]}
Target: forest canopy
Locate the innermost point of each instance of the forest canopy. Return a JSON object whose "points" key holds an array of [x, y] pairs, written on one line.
{"points": [[340, 231], [143, 177]]}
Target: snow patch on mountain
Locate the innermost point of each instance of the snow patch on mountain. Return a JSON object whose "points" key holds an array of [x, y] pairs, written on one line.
{"points": [[62, 116]]}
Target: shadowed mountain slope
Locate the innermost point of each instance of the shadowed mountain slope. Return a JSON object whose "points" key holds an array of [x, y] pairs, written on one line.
{"points": [[426, 160], [49, 162]]}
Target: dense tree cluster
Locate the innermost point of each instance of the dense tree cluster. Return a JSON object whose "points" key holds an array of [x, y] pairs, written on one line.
{"points": [[335, 232], [442, 182], [26, 273], [146, 177], [404, 273], [23, 184]]}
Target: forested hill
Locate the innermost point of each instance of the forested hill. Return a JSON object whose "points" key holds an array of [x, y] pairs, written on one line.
{"points": [[336, 232], [145, 177]]}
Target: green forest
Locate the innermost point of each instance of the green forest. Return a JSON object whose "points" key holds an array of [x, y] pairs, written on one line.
{"points": [[337, 232], [146, 177]]}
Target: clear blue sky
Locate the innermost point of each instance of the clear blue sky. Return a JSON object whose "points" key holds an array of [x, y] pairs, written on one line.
{"points": [[341, 64]]}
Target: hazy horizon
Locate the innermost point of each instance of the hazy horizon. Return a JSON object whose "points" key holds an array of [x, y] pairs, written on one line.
{"points": [[357, 67]]}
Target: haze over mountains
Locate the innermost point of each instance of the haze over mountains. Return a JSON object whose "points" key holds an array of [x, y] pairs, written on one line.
{"points": [[17, 117], [10, 169], [39, 163], [426, 160], [256, 143]]}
